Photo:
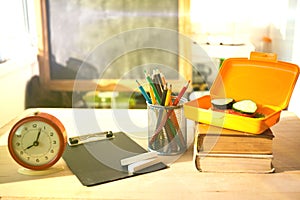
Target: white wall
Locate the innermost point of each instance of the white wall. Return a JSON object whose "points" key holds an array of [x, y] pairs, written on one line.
{"points": [[295, 100], [239, 21], [14, 75], [249, 21], [17, 46]]}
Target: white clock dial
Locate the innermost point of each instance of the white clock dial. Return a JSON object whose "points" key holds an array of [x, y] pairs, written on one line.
{"points": [[36, 143]]}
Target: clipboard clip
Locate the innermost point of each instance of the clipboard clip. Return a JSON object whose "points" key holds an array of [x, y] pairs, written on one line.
{"points": [[77, 140]]}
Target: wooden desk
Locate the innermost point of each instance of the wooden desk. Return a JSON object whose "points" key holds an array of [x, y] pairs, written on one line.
{"points": [[180, 181]]}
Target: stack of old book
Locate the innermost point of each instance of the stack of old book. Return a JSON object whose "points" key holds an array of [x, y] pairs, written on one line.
{"points": [[223, 150]]}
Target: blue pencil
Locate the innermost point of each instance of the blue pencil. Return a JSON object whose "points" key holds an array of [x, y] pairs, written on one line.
{"points": [[144, 93]]}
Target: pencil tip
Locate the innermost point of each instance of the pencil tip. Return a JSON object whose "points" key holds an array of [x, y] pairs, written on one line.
{"points": [[187, 84]]}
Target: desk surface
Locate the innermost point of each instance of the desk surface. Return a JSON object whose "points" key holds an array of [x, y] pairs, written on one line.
{"points": [[180, 181]]}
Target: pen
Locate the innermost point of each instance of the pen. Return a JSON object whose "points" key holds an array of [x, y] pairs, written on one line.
{"points": [[144, 93], [153, 87]]}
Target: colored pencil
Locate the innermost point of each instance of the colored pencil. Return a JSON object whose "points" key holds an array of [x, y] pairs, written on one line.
{"points": [[152, 95], [144, 92], [169, 95], [148, 78], [164, 95], [181, 93]]}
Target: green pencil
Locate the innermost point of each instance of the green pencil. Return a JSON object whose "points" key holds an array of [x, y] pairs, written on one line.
{"points": [[153, 87]]}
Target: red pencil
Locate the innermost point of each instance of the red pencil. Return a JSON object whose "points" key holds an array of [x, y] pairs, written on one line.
{"points": [[181, 93]]}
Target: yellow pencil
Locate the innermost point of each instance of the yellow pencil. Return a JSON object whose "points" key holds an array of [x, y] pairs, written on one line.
{"points": [[168, 97], [152, 95]]}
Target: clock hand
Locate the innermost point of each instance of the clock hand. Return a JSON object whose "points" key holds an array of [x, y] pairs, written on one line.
{"points": [[29, 146], [38, 135], [36, 142]]}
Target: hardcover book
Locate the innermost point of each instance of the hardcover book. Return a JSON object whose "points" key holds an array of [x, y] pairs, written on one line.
{"points": [[217, 140], [243, 163], [224, 150]]}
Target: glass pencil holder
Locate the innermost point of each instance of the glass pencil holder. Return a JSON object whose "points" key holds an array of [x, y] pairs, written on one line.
{"points": [[167, 134]]}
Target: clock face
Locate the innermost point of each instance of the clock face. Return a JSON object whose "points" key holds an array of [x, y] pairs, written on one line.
{"points": [[36, 144]]}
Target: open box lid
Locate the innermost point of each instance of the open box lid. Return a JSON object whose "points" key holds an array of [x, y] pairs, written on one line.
{"points": [[261, 78]]}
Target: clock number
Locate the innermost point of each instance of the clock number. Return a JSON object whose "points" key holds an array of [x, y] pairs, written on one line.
{"points": [[52, 151], [51, 134], [37, 160], [54, 142], [46, 158], [18, 143], [21, 152], [34, 125]]}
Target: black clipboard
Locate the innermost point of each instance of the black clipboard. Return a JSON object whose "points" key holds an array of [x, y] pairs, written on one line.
{"points": [[99, 162]]}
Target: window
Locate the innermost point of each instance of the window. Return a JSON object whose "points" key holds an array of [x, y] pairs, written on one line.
{"points": [[18, 34], [106, 45]]}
